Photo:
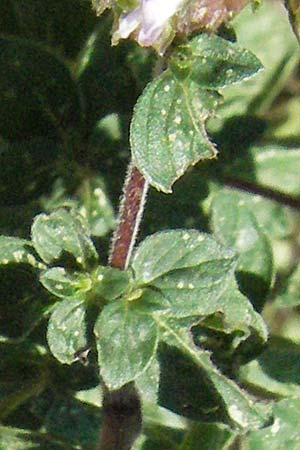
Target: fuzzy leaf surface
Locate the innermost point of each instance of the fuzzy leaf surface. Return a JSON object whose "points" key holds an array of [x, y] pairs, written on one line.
{"points": [[189, 268], [214, 62], [14, 250], [109, 282], [63, 284], [283, 433], [243, 412], [127, 338], [168, 129], [62, 231], [235, 224], [66, 334]]}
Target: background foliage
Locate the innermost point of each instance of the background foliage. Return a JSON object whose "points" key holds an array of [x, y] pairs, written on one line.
{"points": [[66, 101]]}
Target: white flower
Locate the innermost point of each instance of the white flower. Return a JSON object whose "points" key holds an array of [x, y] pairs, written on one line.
{"points": [[149, 19]]}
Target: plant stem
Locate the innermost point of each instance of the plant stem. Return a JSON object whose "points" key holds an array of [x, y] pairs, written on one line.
{"points": [[122, 418], [130, 214], [265, 191]]}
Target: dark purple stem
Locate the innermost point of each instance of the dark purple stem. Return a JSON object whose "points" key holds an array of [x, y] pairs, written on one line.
{"points": [[122, 418], [130, 214]]}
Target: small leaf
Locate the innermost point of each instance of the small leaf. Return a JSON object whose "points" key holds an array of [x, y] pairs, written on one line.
{"points": [[66, 332], [168, 129], [283, 433], [109, 282], [127, 338], [64, 284], [235, 225], [213, 62], [62, 231], [15, 250], [95, 206]]}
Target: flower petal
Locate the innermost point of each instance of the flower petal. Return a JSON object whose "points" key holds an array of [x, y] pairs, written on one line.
{"points": [[156, 13]]}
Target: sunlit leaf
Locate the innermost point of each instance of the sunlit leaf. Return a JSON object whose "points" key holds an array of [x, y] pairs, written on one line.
{"points": [[66, 333], [62, 231]]}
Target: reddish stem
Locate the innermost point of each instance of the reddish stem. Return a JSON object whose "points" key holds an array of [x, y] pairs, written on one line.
{"points": [[130, 214], [122, 418]]}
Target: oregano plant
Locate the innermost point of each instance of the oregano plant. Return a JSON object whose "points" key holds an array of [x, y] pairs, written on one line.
{"points": [[166, 318]]}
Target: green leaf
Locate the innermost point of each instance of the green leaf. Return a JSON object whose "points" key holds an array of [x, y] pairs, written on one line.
{"points": [[62, 231], [74, 422], [148, 382], [63, 284], [241, 409], [66, 332], [167, 251], [127, 338], [109, 282], [291, 295], [15, 251], [208, 436], [191, 269], [168, 129], [276, 371], [37, 94], [95, 206], [235, 225], [256, 33], [18, 439], [283, 433], [213, 62], [273, 166]]}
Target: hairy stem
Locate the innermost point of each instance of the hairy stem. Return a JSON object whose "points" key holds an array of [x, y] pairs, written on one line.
{"points": [[122, 419], [130, 214]]}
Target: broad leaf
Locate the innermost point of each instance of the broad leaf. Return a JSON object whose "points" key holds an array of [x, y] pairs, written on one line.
{"points": [[127, 338], [273, 166], [15, 250], [66, 332], [213, 62], [63, 284], [277, 370], [168, 129], [284, 432], [235, 225], [167, 251], [62, 231], [241, 409], [190, 269], [148, 382]]}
